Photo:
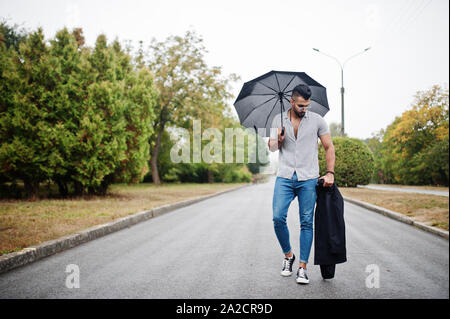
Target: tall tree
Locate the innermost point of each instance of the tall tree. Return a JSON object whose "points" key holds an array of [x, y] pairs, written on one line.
{"points": [[69, 95], [24, 143], [116, 123], [189, 89], [9, 83]]}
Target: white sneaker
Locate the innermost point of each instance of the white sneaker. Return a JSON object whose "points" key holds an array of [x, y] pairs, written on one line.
{"points": [[287, 266], [302, 278]]}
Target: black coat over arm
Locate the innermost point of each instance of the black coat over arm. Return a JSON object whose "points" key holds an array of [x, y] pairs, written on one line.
{"points": [[329, 234]]}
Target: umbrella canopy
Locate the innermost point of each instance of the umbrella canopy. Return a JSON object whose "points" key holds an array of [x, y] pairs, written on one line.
{"points": [[262, 98]]}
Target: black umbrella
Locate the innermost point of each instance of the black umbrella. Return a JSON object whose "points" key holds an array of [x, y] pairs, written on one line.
{"points": [[262, 98]]}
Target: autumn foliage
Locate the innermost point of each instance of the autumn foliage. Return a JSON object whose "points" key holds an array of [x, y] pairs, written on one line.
{"points": [[414, 148]]}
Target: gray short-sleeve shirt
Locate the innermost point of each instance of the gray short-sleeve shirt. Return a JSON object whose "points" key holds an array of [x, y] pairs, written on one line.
{"points": [[299, 154]]}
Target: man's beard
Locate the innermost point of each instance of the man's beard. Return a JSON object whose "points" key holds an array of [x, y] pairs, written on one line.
{"points": [[299, 114]]}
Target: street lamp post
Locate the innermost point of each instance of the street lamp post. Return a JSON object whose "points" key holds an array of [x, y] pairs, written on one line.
{"points": [[342, 65]]}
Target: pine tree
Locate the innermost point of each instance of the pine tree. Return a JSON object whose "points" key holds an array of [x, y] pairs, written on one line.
{"points": [[26, 141]]}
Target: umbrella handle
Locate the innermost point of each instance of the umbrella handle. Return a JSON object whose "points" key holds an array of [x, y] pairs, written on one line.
{"points": [[281, 113]]}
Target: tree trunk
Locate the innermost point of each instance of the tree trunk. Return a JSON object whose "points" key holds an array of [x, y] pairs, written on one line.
{"points": [[78, 188], [210, 176], [155, 173], [107, 180], [154, 158], [31, 189], [63, 189]]}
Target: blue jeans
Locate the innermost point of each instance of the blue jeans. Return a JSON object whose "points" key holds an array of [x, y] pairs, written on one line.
{"points": [[284, 192]]}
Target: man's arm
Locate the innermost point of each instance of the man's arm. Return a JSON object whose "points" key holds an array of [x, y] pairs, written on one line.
{"points": [[330, 158]]}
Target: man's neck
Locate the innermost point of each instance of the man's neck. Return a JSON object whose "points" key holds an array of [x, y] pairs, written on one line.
{"points": [[293, 115]]}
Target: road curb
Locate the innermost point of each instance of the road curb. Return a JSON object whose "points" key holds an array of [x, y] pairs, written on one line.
{"points": [[400, 217], [407, 190], [48, 248]]}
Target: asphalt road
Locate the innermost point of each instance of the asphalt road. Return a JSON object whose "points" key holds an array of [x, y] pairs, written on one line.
{"points": [[225, 247], [405, 190]]}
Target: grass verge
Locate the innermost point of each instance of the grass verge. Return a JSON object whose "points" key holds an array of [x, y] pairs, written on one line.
{"points": [[429, 209], [25, 223]]}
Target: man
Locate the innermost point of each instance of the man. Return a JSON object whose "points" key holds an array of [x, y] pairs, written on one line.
{"points": [[298, 173]]}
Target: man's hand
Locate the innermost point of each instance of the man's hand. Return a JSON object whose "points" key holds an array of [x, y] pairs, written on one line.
{"points": [[275, 144], [328, 180], [281, 137]]}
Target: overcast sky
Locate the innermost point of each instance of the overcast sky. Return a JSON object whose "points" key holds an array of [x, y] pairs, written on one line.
{"points": [[408, 39]]}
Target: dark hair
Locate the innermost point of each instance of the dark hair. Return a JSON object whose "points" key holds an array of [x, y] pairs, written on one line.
{"points": [[302, 90]]}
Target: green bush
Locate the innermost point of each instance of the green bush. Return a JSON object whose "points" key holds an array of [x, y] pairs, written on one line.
{"points": [[236, 175], [198, 173], [354, 162]]}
